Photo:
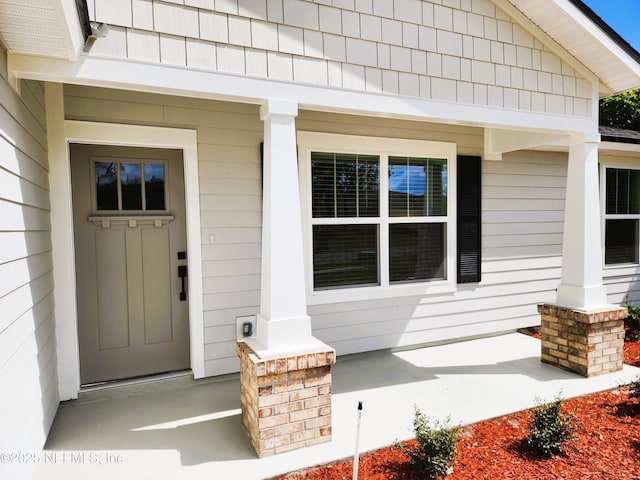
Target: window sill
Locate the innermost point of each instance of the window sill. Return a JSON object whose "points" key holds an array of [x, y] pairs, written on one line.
{"points": [[355, 294]]}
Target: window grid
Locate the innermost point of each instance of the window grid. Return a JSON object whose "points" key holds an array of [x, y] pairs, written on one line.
{"points": [[384, 220], [145, 185]]}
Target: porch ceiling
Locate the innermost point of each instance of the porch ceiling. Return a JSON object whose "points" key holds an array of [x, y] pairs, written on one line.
{"points": [[45, 28], [589, 39]]}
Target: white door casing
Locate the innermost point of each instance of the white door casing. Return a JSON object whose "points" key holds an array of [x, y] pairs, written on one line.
{"points": [[62, 228]]}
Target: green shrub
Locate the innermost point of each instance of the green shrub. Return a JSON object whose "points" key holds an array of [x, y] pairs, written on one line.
{"points": [[436, 445], [549, 428], [632, 322], [634, 388]]}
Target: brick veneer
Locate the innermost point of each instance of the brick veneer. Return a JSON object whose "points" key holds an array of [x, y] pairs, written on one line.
{"points": [[286, 401], [585, 343]]}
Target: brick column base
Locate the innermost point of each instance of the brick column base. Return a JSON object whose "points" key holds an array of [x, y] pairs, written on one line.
{"points": [[286, 401], [585, 343]]}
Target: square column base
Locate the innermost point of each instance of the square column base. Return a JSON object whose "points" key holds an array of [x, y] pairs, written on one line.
{"points": [[587, 343], [286, 399]]}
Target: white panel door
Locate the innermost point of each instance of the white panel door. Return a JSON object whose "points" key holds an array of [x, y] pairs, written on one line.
{"points": [[130, 243]]}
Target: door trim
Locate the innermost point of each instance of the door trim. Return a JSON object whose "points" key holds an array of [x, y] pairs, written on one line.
{"points": [[134, 136]]}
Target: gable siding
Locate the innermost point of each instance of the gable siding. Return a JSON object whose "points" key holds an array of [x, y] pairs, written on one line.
{"points": [[27, 341], [469, 52]]}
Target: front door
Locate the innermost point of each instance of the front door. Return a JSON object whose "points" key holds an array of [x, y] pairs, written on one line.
{"points": [[130, 244]]}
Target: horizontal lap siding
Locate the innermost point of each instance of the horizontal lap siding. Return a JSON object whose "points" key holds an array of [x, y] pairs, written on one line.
{"points": [[623, 285], [229, 137], [27, 340], [523, 198], [523, 201]]}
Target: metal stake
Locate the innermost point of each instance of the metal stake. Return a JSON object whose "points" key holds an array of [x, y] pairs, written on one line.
{"points": [[356, 458]]}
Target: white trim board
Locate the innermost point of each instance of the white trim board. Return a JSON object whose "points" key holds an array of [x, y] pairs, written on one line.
{"points": [[144, 77], [136, 136]]}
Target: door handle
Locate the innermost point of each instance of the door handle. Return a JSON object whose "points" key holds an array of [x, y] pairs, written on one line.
{"points": [[182, 274]]}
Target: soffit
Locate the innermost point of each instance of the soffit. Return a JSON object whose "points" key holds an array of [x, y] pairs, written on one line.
{"points": [[44, 28]]}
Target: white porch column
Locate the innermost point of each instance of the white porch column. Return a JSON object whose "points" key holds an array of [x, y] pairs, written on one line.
{"points": [[283, 323], [581, 284], [284, 364], [581, 332]]}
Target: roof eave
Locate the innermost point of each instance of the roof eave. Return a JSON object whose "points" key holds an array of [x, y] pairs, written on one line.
{"points": [[53, 28], [588, 38]]}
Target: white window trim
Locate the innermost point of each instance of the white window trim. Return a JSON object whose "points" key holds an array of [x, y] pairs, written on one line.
{"points": [[328, 142], [622, 163]]}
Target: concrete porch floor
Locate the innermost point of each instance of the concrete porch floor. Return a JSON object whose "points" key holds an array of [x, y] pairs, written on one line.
{"points": [[192, 430]]}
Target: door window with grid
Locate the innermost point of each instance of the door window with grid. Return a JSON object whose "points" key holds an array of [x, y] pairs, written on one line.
{"points": [[129, 186]]}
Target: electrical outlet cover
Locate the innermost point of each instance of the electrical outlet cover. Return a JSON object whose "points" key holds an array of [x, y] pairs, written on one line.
{"points": [[240, 322]]}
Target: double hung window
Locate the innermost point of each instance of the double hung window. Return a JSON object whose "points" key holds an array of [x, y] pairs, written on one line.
{"points": [[380, 212], [622, 215]]}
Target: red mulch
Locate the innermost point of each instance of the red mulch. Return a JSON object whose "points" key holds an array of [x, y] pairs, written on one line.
{"points": [[606, 447], [632, 351]]}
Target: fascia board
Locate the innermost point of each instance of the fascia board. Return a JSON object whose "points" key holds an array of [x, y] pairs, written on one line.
{"points": [[598, 34], [584, 28], [69, 24], [620, 148], [526, 23]]}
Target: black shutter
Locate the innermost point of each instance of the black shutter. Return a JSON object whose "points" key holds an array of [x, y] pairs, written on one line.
{"points": [[469, 219]]}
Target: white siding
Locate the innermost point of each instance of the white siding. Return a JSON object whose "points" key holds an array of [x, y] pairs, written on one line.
{"points": [[229, 137], [523, 202], [623, 285], [523, 198], [464, 52], [27, 341]]}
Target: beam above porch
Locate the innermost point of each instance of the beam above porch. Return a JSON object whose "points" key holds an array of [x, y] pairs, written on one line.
{"points": [[163, 79], [498, 141]]}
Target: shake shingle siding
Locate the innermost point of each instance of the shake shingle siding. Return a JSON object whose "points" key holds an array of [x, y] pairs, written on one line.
{"points": [[465, 52]]}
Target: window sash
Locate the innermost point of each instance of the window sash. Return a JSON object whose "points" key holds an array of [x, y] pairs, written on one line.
{"points": [[621, 241], [417, 252], [345, 256], [345, 185], [417, 186], [622, 191]]}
